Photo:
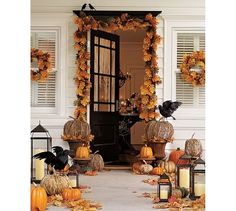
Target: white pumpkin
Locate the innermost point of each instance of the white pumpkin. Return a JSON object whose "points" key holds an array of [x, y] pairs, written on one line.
{"points": [[145, 168]]}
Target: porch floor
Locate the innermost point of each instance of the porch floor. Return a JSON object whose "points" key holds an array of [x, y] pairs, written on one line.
{"points": [[117, 190]]}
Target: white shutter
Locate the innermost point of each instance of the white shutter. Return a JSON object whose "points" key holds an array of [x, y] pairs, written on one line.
{"points": [[187, 43], [43, 94], [184, 91]]}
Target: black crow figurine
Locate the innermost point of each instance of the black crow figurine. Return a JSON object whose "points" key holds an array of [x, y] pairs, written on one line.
{"points": [[58, 161], [83, 7], [91, 7], [168, 108]]}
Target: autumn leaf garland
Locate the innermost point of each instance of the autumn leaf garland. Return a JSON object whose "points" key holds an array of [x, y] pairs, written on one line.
{"points": [[150, 44]]}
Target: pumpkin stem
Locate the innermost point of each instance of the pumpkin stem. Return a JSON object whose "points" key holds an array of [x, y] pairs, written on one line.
{"points": [[145, 162], [162, 118], [35, 185], [72, 117], [96, 152], [145, 145], [193, 135], [178, 148]]}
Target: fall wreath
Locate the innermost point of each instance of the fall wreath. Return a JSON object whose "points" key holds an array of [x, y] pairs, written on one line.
{"points": [[150, 43], [43, 63], [195, 59]]}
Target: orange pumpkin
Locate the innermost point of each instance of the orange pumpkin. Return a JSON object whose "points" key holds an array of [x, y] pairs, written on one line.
{"points": [[169, 166], [175, 155], [146, 152], [82, 152], [71, 194], [38, 198], [158, 171]]}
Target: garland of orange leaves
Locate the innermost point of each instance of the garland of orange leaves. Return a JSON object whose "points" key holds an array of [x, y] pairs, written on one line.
{"points": [[44, 65], [150, 44], [197, 58]]}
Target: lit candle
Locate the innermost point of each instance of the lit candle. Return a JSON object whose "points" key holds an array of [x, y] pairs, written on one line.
{"points": [[184, 178], [199, 189], [39, 166], [73, 183], [164, 194]]}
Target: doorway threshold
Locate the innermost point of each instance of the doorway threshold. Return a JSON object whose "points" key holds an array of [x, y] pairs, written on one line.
{"points": [[117, 167]]}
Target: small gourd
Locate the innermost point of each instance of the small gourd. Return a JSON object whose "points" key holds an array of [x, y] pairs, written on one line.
{"points": [[146, 152], [145, 168], [181, 192], [158, 171], [136, 167], [71, 194], [82, 152], [169, 166], [96, 162], [38, 198]]}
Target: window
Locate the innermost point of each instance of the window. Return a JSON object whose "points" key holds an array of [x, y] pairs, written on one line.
{"points": [[186, 43], [43, 94]]}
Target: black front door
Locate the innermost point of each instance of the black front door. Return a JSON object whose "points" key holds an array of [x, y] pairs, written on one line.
{"points": [[104, 115]]}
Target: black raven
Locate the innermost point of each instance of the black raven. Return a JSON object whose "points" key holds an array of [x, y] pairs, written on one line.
{"points": [[83, 7], [91, 7], [58, 161], [168, 108]]}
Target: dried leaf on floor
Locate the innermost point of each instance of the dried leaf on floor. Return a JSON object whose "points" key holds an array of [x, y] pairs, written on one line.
{"points": [[149, 195], [91, 173], [180, 204], [79, 205], [150, 181]]}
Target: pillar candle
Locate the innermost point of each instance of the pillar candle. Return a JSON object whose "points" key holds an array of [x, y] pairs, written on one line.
{"points": [[164, 194], [199, 189], [73, 183], [184, 178], [39, 166]]}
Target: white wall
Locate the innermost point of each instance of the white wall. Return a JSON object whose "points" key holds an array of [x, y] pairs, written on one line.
{"points": [[60, 12]]}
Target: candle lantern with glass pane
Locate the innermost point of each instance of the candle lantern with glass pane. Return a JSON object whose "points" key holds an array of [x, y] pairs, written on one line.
{"points": [[183, 172], [197, 179], [164, 188], [74, 179], [40, 141]]}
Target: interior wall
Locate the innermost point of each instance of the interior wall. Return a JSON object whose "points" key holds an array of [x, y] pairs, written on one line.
{"points": [[171, 9]]}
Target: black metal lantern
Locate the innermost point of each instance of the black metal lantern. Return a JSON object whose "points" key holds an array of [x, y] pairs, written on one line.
{"points": [[183, 175], [164, 188], [197, 179], [74, 179], [40, 135]]}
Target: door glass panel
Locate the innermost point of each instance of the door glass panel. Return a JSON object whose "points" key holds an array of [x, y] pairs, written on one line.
{"points": [[96, 59], [105, 42], [104, 89], [105, 61], [95, 107], [113, 59], [113, 44], [112, 107], [95, 88], [96, 40], [113, 90], [104, 107]]}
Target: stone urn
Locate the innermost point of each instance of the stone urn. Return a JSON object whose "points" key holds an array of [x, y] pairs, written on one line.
{"points": [[158, 149]]}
